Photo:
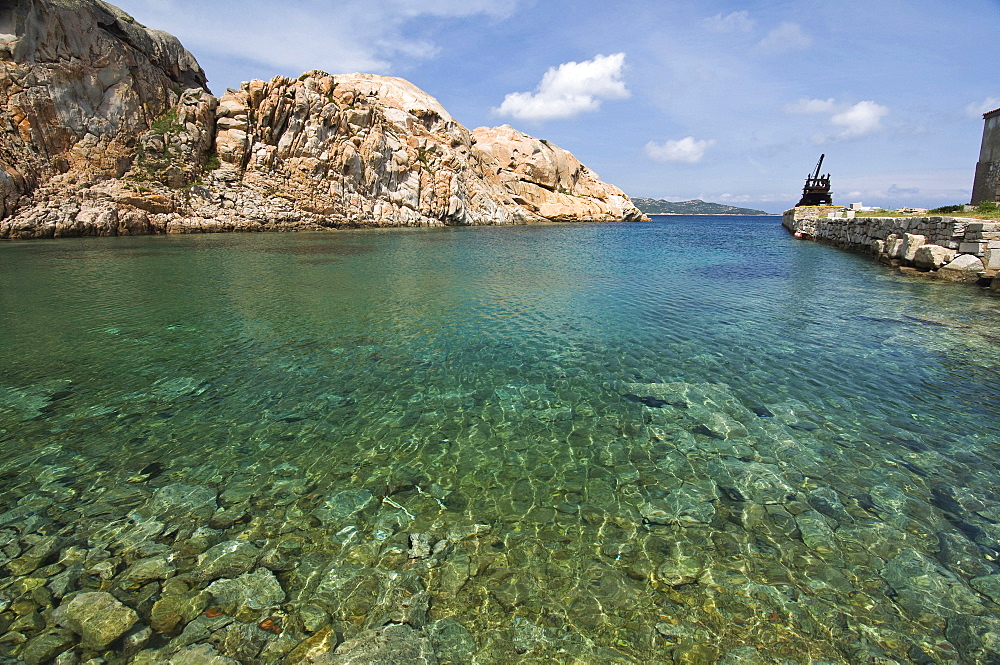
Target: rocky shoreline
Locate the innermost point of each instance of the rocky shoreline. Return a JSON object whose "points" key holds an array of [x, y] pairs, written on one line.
{"points": [[956, 249], [129, 140]]}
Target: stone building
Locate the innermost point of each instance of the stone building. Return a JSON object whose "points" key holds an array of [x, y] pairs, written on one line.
{"points": [[987, 183]]}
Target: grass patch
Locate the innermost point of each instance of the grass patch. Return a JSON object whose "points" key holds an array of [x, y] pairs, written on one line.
{"points": [[166, 124], [985, 210]]}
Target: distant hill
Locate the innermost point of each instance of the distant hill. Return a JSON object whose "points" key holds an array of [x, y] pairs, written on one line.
{"points": [[695, 207]]}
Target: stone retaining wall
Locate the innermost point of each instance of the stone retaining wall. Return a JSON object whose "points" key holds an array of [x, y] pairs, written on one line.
{"points": [[955, 248]]}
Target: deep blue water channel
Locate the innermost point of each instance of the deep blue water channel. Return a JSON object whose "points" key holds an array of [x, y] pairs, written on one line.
{"points": [[692, 440]]}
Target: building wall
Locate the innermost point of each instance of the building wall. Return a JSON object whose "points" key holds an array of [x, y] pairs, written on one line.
{"points": [[986, 186]]}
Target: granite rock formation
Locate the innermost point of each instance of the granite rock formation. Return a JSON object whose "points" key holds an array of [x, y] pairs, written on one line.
{"points": [[79, 80], [108, 128]]}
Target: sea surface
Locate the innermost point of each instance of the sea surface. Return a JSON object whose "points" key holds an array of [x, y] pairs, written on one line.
{"points": [[693, 440]]}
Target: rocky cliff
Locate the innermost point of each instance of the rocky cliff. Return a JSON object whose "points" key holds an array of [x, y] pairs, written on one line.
{"points": [[79, 80], [107, 128]]}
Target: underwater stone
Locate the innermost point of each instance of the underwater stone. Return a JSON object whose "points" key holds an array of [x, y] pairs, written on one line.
{"points": [[230, 558], [685, 505], [988, 585], [926, 590], [312, 648], [44, 647], [147, 570], [373, 597], [976, 637], [461, 532], [816, 533], [745, 656], [171, 613], [246, 596], [455, 573], [717, 425], [313, 617], [452, 641], [343, 505], [527, 635], [243, 641], [828, 503], [390, 645], [226, 517], [963, 556], [420, 546], [681, 567], [200, 654], [751, 481], [97, 617], [179, 501], [135, 640]]}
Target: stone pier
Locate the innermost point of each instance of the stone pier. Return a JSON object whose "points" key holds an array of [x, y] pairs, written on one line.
{"points": [[959, 249]]}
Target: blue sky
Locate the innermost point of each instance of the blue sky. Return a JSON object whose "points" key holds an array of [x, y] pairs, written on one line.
{"points": [[724, 101]]}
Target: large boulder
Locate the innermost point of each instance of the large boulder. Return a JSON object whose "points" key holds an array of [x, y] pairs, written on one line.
{"points": [[932, 257], [911, 243], [965, 268]]}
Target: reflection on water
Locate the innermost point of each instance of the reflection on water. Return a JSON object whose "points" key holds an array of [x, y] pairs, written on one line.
{"points": [[694, 440]]}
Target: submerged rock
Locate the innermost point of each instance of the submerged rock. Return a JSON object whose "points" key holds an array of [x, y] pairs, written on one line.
{"points": [[97, 617], [246, 596], [171, 613], [182, 503], [926, 590], [452, 641], [343, 505], [689, 504], [390, 645], [200, 654], [230, 558], [751, 481], [44, 647], [371, 597]]}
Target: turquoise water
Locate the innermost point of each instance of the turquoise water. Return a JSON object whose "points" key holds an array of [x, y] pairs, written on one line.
{"points": [[691, 440]]}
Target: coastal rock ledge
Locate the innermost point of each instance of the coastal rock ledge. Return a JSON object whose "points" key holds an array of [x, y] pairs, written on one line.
{"points": [[108, 128]]}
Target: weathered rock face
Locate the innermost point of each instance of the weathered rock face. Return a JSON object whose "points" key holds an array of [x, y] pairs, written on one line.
{"points": [[549, 181], [358, 150], [113, 132], [80, 80], [366, 150]]}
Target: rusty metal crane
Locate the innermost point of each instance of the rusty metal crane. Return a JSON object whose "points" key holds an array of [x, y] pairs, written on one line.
{"points": [[817, 189]]}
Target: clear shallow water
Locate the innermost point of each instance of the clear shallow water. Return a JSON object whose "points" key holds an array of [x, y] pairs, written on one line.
{"points": [[691, 440]]}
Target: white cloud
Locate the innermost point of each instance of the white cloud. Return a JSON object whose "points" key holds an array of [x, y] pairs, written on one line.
{"points": [[786, 37], [807, 106], [734, 22], [861, 119], [294, 37], [977, 109], [687, 149], [570, 89]]}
